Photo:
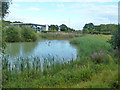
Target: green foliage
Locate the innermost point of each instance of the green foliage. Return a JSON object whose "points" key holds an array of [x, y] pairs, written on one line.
{"points": [[85, 30], [17, 22], [88, 28], [115, 39], [3, 44], [63, 27], [59, 75], [5, 7], [106, 29], [89, 25], [17, 34], [108, 78], [87, 45], [28, 34], [100, 57], [53, 27], [13, 34], [44, 31], [100, 69]]}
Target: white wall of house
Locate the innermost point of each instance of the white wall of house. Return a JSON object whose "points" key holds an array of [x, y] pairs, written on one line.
{"points": [[46, 27]]}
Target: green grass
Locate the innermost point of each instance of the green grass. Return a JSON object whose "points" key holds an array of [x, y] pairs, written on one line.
{"points": [[87, 45], [106, 79], [91, 71], [105, 37], [70, 75]]}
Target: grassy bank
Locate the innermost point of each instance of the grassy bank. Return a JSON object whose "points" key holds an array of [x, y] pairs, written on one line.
{"points": [[96, 68], [88, 45]]}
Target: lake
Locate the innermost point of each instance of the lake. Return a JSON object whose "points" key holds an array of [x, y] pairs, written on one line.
{"points": [[43, 49]]}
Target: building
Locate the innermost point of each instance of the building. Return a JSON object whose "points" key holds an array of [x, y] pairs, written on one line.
{"points": [[37, 27]]}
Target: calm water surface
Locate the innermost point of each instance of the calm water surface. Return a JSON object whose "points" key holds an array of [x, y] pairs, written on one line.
{"points": [[58, 49]]}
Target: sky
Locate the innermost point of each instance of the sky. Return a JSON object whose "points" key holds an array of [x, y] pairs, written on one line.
{"points": [[74, 13]]}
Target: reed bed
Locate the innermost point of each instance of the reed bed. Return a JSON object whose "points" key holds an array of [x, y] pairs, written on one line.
{"points": [[59, 35]]}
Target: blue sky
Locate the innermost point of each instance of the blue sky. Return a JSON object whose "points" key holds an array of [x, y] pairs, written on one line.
{"points": [[73, 14]]}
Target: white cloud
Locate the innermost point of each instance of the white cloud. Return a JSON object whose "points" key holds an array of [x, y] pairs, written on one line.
{"points": [[26, 19], [34, 9], [102, 11], [60, 5], [81, 12], [65, 0]]}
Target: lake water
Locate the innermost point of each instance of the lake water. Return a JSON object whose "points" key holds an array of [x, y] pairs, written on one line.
{"points": [[59, 49]]}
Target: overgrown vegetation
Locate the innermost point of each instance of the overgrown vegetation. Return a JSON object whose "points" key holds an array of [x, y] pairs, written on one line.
{"points": [[89, 44], [17, 34], [115, 39], [98, 69]]}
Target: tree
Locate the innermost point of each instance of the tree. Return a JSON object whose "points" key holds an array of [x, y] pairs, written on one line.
{"points": [[28, 34], [115, 39], [63, 27], [13, 34], [85, 30], [89, 26], [17, 22], [105, 28], [53, 27], [5, 7]]}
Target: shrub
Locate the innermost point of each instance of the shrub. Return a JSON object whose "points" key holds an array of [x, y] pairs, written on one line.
{"points": [[99, 57], [44, 31], [17, 34], [13, 34], [85, 31], [115, 39], [28, 34]]}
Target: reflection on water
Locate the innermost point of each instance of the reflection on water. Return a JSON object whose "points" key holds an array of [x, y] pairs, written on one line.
{"points": [[20, 49], [45, 50], [58, 49]]}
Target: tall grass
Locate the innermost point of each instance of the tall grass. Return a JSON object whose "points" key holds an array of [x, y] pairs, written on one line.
{"points": [[87, 45], [28, 74], [59, 35]]}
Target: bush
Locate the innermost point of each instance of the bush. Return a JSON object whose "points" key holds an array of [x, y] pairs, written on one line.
{"points": [[52, 31], [28, 34], [17, 34], [100, 57], [115, 39], [44, 31], [86, 31], [13, 34]]}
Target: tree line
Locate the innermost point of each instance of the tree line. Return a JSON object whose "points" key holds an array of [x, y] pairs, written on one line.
{"points": [[106, 29], [62, 27]]}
